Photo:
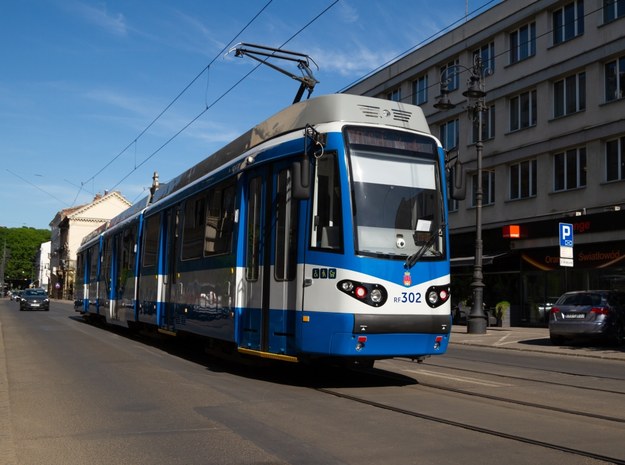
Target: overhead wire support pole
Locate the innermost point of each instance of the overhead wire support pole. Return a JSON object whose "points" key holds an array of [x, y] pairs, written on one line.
{"points": [[307, 81]]}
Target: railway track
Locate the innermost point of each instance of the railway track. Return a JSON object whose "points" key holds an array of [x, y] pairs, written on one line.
{"points": [[407, 402], [477, 429]]}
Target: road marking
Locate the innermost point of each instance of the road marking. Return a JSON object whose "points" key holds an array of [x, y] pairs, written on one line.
{"points": [[462, 379]]}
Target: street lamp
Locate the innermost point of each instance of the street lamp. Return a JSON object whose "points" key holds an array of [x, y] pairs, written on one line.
{"points": [[477, 320]]}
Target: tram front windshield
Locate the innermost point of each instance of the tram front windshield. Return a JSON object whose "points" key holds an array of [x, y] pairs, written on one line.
{"points": [[397, 196]]}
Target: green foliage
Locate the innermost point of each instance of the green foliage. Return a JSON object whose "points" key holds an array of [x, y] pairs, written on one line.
{"points": [[22, 245], [501, 308]]}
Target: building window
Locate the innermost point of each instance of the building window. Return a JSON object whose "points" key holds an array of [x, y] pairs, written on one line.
{"points": [[394, 95], [487, 54], [420, 90], [488, 188], [569, 95], [488, 124], [568, 22], [523, 179], [613, 9], [523, 43], [523, 111], [615, 79], [450, 76], [569, 169], [449, 134], [615, 159]]}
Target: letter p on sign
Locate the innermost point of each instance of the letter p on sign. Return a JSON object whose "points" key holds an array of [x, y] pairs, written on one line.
{"points": [[566, 235]]}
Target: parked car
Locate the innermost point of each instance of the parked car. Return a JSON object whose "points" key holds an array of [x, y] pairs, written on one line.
{"points": [[34, 299], [588, 315], [15, 295], [544, 308]]}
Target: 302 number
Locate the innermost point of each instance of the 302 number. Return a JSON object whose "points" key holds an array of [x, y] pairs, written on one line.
{"points": [[408, 298]]}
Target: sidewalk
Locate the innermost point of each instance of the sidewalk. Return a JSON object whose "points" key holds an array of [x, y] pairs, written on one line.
{"points": [[532, 340]]}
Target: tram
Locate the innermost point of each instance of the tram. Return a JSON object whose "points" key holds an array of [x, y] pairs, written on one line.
{"points": [[318, 235]]}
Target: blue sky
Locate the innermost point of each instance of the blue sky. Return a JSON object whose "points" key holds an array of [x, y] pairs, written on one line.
{"points": [[80, 81]]}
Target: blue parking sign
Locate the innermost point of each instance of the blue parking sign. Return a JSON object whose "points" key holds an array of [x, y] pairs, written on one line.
{"points": [[566, 235]]}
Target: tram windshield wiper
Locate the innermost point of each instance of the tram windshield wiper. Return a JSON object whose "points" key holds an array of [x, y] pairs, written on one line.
{"points": [[415, 257]]}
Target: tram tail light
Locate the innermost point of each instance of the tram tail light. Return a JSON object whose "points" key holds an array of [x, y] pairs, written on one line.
{"points": [[437, 342], [361, 292]]}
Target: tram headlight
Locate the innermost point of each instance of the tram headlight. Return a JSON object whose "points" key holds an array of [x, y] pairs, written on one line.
{"points": [[436, 296], [368, 293]]}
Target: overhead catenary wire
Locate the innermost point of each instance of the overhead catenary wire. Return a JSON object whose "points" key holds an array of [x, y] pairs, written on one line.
{"points": [[409, 96], [414, 47], [206, 69], [224, 94], [174, 100]]}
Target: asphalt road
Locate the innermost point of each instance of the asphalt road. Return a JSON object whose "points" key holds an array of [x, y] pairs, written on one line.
{"points": [[76, 394]]}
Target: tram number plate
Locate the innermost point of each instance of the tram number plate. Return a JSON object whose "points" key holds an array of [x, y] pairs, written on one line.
{"points": [[408, 298], [573, 316]]}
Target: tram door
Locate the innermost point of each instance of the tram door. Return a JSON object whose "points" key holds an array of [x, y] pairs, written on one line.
{"points": [[168, 269], [269, 286]]}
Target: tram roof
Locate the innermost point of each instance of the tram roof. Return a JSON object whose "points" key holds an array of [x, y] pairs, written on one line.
{"points": [[329, 108], [318, 110]]}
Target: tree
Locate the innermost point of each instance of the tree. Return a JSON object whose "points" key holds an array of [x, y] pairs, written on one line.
{"points": [[22, 245]]}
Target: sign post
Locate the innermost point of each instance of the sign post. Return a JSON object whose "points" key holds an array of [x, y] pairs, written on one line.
{"points": [[566, 244]]}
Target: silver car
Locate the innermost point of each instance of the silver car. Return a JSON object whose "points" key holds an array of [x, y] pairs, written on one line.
{"points": [[588, 315]]}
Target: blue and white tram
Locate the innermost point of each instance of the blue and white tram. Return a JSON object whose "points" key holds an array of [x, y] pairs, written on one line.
{"points": [[318, 234]]}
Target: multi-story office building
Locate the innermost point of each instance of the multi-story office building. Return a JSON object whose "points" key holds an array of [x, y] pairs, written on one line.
{"points": [[553, 136]]}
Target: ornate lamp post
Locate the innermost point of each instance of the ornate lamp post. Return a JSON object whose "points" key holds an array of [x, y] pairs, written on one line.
{"points": [[477, 320]]}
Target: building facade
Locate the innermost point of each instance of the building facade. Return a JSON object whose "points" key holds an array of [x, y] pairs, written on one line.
{"points": [[553, 134], [42, 266], [69, 227]]}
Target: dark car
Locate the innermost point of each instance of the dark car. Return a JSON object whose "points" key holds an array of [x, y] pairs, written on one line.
{"points": [[34, 299], [588, 315]]}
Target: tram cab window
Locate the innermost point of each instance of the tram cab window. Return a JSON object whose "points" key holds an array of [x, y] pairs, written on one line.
{"points": [[327, 226]]}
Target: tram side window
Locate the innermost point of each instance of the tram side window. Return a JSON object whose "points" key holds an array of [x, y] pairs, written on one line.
{"points": [[107, 250], [128, 249], [127, 255], [93, 262], [219, 220], [193, 229], [286, 229], [252, 224], [327, 225], [150, 245]]}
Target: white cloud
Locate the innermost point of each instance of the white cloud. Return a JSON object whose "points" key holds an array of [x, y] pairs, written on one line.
{"points": [[353, 63], [113, 23]]}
